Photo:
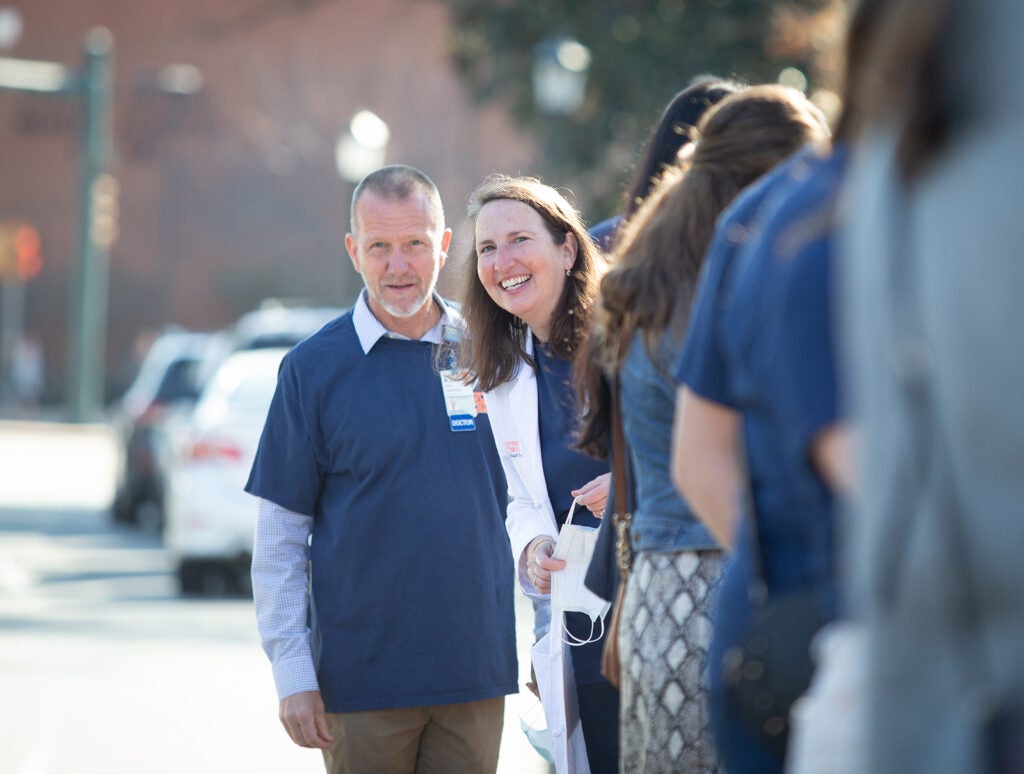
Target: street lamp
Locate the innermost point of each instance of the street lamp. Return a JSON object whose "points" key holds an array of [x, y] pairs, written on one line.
{"points": [[10, 27], [560, 67], [362, 147], [185, 80]]}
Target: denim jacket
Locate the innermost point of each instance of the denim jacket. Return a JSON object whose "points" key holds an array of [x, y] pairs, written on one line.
{"points": [[662, 521]]}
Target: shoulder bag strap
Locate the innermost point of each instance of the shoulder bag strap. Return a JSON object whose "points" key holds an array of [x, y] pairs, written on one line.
{"points": [[621, 481]]}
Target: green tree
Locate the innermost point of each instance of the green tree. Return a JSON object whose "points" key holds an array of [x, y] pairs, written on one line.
{"points": [[643, 52]]}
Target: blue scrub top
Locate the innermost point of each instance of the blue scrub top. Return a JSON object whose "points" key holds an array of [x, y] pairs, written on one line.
{"points": [[566, 469], [411, 566], [604, 233], [760, 342]]}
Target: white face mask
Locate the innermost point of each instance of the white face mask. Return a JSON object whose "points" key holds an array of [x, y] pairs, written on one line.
{"points": [[568, 590]]}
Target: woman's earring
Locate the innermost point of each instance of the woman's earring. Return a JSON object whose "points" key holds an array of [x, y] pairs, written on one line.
{"points": [[568, 272]]}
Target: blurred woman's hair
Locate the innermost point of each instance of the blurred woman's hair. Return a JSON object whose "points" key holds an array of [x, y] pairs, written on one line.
{"points": [[903, 76], [495, 340], [862, 27], [673, 131], [659, 252]]}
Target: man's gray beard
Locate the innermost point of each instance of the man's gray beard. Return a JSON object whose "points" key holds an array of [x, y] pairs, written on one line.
{"points": [[395, 311], [416, 306]]}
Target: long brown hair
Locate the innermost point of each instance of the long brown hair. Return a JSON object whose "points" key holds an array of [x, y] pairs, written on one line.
{"points": [[495, 340], [862, 29], [673, 131], [658, 256], [906, 78]]}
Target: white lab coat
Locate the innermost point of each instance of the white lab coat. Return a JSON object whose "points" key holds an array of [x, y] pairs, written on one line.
{"points": [[513, 413]]}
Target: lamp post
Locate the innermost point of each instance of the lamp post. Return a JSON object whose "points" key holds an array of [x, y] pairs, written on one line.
{"points": [[92, 86], [559, 76], [97, 216], [97, 229]]}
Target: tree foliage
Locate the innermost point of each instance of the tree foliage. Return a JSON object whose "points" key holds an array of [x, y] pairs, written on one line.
{"points": [[643, 52]]}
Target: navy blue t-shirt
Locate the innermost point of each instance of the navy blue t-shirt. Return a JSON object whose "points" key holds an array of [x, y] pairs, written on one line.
{"points": [[745, 349], [604, 233], [412, 576], [757, 344], [566, 469]]}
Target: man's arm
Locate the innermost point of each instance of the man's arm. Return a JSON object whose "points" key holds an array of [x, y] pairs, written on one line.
{"points": [[280, 579]]}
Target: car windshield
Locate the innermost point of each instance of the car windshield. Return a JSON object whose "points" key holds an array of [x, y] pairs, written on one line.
{"points": [[242, 388], [168, 372], [179, 381]]}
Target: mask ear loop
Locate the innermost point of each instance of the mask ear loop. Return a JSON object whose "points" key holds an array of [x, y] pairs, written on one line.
{"points": [[572, 508], [575, 641]]}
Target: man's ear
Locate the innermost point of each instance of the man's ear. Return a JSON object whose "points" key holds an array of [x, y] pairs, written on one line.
{"points": [[353, 252]]}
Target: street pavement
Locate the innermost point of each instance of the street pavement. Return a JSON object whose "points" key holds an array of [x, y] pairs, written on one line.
{"points": [[103, 668]]}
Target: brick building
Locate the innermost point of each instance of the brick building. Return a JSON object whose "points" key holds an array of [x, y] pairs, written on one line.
{"points": [[230, 194]]}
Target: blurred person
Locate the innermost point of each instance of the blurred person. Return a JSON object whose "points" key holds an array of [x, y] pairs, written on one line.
{"points": [[531, 286], [385, 495], [933, 284], [28, 374], [797, 265], [671, 134], [732, 435], [638, 332]]}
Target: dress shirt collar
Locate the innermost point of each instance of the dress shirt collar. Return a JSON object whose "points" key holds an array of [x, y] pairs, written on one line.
{"points": [[370, 330]]}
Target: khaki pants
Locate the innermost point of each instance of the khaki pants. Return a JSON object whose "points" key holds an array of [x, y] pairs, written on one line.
{"points": [[461, 738]]}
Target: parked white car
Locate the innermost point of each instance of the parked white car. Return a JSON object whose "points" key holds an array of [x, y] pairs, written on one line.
{"points": [[210, 519], [164, 391]]}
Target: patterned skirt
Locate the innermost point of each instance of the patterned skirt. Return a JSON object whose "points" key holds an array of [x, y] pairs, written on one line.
{"points": [[666, 628]]}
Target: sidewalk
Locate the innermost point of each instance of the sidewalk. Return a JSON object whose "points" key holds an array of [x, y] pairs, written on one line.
{"points": [[57, 465], [49, 470]]}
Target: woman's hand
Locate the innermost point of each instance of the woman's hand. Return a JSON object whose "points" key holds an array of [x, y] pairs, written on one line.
{"points": [[540, 565], [594, 494]]}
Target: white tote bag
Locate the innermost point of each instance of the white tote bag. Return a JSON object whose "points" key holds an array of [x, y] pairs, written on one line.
{"points": [[827, 728], [552, 666]]}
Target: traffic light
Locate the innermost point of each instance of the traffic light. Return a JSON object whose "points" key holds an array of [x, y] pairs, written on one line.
{"points": [[28, 257], [21, 256]]}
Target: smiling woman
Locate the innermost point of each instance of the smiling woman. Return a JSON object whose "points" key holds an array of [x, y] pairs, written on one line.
{"points": [[522, 262], [531, 289], [533, 272]]}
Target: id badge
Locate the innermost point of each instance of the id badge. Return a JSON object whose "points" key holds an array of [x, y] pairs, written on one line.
{"points": [[459, 401]]}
